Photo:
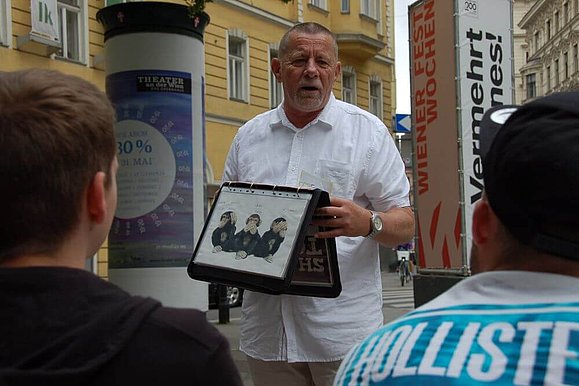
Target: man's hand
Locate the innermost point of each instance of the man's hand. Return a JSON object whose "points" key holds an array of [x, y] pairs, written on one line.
{"points": [[344, 217]]}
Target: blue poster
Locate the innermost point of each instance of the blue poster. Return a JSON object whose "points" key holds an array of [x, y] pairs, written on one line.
{"points": [[153, 225]]}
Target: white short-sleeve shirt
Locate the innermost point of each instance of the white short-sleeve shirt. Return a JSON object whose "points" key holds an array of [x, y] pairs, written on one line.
{"points": [[350, 153]]}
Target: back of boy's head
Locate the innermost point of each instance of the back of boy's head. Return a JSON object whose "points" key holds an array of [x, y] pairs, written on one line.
{"points": [[531, 171], [56, 133]]}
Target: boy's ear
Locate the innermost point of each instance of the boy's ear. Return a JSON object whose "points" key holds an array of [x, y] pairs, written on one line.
{"points": [[481, 222], [96, 199]]}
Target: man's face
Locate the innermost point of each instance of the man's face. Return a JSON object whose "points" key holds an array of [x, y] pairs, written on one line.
{"points": [[308, 71]]}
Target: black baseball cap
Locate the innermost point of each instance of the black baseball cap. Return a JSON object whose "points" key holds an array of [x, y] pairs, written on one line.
{"points": [[530, 157]]}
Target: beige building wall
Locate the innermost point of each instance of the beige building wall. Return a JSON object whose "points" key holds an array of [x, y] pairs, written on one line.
{"points": [[366, 44]]}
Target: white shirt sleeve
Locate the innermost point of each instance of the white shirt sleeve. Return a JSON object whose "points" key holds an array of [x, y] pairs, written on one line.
{"points": [[230, 170]]}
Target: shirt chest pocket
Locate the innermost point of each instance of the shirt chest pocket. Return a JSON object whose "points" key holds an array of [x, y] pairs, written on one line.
{"points": [[338, 175]]}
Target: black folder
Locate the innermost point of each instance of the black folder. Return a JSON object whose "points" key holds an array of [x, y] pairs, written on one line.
{"points": [[260, 237]]}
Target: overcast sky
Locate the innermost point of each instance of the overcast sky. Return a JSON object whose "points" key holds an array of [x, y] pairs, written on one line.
{"points": [[402, 63]]}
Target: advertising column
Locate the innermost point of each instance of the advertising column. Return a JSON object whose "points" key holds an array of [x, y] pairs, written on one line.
{"points": [[485, 80], [154, 60], [434, 118]]}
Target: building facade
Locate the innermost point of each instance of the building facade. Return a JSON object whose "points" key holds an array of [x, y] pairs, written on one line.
{"points": [[240, 42], [551, 43], [520, 8]]}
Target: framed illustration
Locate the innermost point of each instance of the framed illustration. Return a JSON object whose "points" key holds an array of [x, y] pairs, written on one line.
{"points": [[256, 237]]}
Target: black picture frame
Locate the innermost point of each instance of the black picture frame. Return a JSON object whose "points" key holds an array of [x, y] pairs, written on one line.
{"points": [[316, 263], [256, 237]]}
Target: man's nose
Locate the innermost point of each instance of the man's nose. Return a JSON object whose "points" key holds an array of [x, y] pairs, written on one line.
{"points": [[311, 67]]}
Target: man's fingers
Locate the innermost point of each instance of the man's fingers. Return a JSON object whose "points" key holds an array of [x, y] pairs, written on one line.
{"points": [[329, 233]]}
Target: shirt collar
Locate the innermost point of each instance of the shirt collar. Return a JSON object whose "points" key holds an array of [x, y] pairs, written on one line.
{"points": [[324, 118]]}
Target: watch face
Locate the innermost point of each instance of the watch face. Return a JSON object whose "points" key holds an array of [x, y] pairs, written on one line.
{"points": [[377, 222]]}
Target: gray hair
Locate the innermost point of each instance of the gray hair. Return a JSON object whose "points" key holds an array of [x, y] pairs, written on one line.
{"points": [[307, 28]]}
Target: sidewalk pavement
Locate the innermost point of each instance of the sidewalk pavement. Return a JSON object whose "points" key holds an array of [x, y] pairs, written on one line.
{"points": [[231, 330]]}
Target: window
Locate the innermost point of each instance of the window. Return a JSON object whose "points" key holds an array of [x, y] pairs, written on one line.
{"points": [[556, 19], [71, 29], [4, 22], [275, 87], [345, 6], [548, 75], [349, 85], [536, 41], [548, 29], [556, 72], [370, 8], [566, 65], [531, 86], [319, 3], [237, 65], [565, 12], [375, 102], [575, 60]]}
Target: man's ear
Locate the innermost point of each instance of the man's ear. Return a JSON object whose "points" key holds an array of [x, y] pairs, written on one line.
{"points": [[96, 198], [481, 222], [276, 68]]}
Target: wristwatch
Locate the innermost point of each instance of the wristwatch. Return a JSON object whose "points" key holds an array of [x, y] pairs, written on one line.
{"points": [[375, 225]]}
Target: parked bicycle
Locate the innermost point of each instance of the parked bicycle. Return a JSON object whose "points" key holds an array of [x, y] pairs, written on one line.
{"points": [[403, 267]]}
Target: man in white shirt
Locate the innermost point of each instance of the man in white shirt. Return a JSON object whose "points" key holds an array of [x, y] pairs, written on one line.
{"points": [[314, 139], [516, 321]]}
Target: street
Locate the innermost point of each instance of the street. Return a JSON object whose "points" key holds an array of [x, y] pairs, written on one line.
{"points": [[396, 300]]}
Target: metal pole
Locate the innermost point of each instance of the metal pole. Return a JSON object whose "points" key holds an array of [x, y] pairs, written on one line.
{"points": [[223, 304]]}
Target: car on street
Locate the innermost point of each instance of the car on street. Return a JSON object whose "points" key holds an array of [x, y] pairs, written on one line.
{"points": [[234, 296]]}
